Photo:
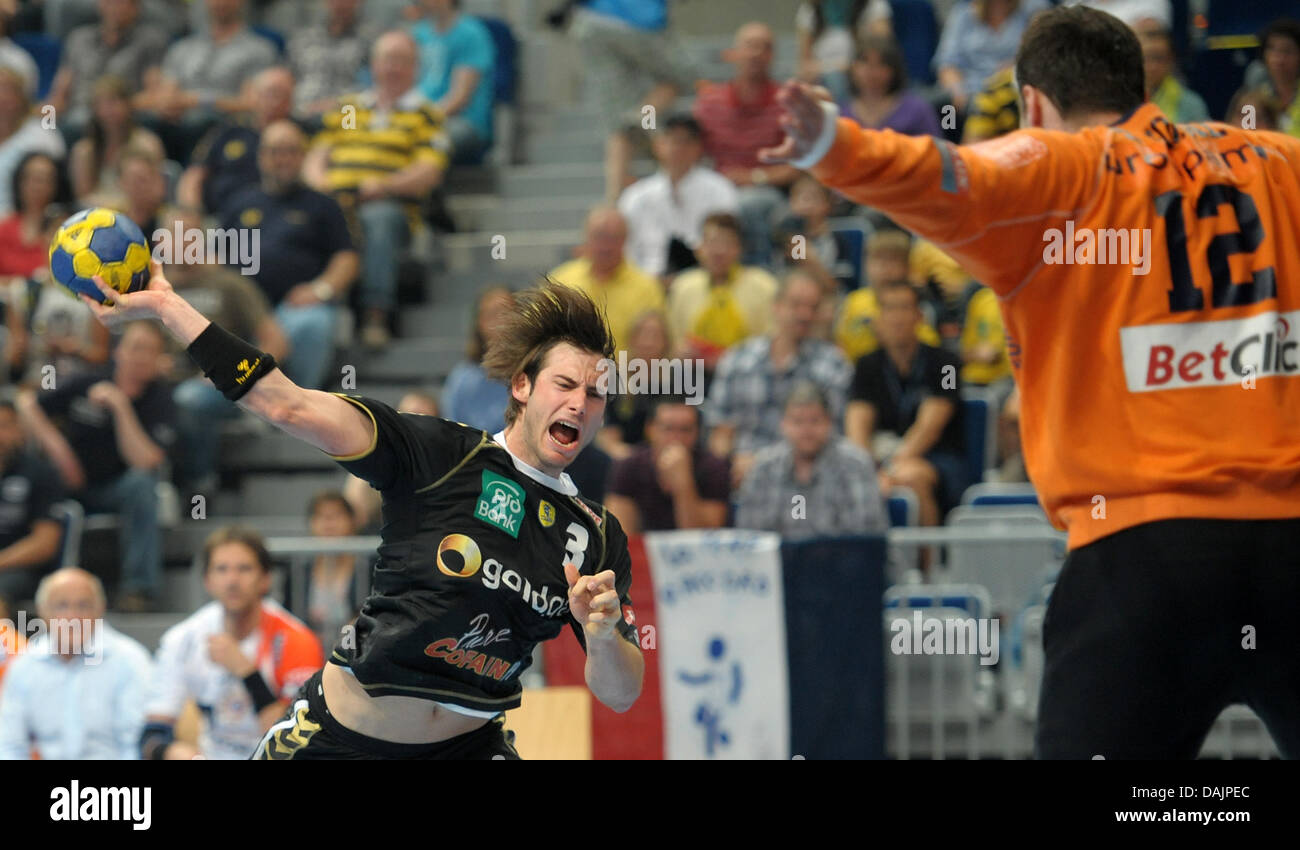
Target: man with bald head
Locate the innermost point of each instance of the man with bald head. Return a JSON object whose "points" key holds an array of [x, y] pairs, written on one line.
{"points": [[602, 271], [307, 262], [380, 153], [741, 117], [226, 160], [78, 690]]}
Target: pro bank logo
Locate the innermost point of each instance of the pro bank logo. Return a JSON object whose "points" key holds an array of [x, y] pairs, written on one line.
{"points": [[500, 503], [1210, 354]]}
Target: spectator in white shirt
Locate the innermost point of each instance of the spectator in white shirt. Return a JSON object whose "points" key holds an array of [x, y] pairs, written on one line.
{"points": [[78, 690], [665, 212]]}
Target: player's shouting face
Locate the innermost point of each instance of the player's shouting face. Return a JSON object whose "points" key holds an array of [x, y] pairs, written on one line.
{"points": [[562, 408]]}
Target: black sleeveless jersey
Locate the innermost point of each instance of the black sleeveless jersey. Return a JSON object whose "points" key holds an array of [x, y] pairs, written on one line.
{"points": [[470, 576]]}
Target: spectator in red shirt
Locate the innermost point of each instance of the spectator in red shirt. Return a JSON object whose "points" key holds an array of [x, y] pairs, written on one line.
{"points": [[671, 481], [39, 182], [740, 118]]}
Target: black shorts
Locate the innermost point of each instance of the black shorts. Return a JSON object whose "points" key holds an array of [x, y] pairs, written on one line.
{"points": [[1151, 632], [309, 731]]}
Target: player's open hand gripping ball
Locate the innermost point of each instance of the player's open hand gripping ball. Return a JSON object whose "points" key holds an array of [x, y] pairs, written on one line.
{"points": [[116, 308]]}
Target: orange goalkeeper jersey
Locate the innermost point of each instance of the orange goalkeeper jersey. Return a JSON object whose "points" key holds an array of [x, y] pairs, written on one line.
{"points": [[1149, 280]]}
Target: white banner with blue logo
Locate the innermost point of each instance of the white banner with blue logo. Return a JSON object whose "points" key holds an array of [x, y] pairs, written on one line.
{"points": [[721, 644]]}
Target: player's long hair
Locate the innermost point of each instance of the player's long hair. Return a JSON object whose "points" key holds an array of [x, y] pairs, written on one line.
{"points": [[545, 316]]}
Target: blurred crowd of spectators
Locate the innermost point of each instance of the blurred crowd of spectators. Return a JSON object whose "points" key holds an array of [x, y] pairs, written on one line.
{"points": [[329, 138]]}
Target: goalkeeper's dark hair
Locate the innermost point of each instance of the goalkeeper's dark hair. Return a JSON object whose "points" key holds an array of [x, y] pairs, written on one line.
{"points": [[1085, 61], [545, 316]]}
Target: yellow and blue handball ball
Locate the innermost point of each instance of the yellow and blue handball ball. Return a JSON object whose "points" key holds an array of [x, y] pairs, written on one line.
{"points": [[100, 242]]}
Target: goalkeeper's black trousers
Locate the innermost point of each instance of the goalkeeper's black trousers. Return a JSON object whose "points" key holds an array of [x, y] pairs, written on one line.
{"points": [[1152, 631]]}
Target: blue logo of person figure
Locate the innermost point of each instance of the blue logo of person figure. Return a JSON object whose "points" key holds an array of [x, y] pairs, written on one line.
{"points": [[721, 685]]}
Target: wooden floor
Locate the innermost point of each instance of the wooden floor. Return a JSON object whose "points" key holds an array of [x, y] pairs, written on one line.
{"points": [[553, 723]]}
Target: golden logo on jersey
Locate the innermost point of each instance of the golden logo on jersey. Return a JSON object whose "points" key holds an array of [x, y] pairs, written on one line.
{"points": [[234, 149], [546, 514], [466, 560], [250, 217]]}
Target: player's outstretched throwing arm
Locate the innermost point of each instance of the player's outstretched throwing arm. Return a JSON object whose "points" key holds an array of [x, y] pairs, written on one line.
{"points": [[241, 372]]}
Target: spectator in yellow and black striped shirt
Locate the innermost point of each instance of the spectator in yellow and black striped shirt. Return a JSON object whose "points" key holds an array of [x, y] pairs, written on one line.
{"points": [[994, 110], [380, 153]]}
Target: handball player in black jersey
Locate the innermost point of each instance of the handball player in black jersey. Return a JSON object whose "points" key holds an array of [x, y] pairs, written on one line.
{"points": [[487, 548]]}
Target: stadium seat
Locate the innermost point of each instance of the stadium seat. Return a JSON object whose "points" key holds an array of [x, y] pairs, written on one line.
{"points": [[918, 35], [1025, 670], [72, 519], [997, 493], [854, 230], [973, 600], [931, 696], [272, 36], [505, 79], [46, 51], [1013, 569], [505, 148], [902, 506], [1239, 733], [980, 421]]}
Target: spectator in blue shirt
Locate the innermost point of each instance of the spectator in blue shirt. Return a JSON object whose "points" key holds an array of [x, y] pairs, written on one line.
{"points": [[457, 61], [470, 396], [78, 690], [979, 39]]}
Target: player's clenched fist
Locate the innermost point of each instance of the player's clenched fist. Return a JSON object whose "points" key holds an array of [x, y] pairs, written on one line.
{"points": [[593, 601]]}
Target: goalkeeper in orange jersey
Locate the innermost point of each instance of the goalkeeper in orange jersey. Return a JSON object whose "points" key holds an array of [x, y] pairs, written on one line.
{"points": [[1149, 278]]}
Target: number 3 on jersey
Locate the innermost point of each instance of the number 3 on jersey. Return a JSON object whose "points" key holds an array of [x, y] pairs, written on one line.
{"points": [[575, 550]]}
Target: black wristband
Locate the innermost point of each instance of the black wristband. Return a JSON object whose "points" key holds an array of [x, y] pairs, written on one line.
{"points": [[231, 364], [257, 689]]}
